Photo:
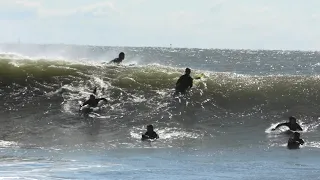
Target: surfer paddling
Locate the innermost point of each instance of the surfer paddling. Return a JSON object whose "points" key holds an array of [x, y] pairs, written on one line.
{"points": [[119, 59], [92, 101], [292, 124]]}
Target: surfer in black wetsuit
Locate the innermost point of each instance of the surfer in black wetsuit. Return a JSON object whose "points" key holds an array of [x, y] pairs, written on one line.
{"points": [[184, 82], [150, 134], [294, 142], [119, 59], [93, 101], [292, 125]]}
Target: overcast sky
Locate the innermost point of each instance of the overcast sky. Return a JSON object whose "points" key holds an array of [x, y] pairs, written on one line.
{"points": [[236, 24]]}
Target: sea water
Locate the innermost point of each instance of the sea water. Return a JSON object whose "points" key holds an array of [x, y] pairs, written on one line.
{"points": [[220, 130]]}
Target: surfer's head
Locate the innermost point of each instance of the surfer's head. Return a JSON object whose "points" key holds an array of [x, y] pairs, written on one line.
{"points": [[92, 97], [150, 128], [122, 56], [292, 120], [188, 71]]}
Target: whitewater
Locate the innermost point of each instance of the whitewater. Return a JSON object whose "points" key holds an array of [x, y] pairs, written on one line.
{"points": [[220, 130]]}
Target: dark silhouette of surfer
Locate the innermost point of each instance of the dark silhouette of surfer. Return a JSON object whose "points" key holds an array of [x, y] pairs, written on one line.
{"points": [[295, 141], [119, 59], [92, 101], [292, 125], [184, 83], [150, 134]]}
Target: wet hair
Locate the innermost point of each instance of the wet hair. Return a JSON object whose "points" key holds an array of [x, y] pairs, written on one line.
{"points": [[121, 54], [188, 70], [92, 96]]}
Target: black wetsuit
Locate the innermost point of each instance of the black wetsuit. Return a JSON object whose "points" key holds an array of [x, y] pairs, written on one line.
{"points": [[183, 83], [116, 60], [292, 127], [150, 135], [294, 143], [93, 102]]}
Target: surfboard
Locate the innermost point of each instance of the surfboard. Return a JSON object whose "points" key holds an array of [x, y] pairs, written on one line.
{"points": [[118, 65]]}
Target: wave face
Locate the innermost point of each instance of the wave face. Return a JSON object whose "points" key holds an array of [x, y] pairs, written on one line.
{"points": [[42, 95]]}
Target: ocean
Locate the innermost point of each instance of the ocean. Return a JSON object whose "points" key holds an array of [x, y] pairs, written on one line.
{"points": [[220, 130]]}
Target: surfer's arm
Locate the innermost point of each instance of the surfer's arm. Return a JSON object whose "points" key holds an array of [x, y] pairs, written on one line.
{"points": [[279, 125], [299, 128], [95, 91], [191, 83], [301, 141], [85, 103], [103, 99], [178, 82], [144, 136]]}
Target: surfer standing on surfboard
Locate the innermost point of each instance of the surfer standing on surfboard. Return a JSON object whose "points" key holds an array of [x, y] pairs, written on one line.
{"points": [[292, 125]]}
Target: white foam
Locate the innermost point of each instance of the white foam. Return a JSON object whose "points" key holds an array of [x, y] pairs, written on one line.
{"points": [[7, 143], [166, 133], [315, 144]]}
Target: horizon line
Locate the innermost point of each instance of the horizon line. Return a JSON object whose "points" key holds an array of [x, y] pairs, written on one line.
{"points": [[170, 46]]}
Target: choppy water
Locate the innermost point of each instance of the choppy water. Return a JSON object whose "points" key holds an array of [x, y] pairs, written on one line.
{"points": [[221, 130]]}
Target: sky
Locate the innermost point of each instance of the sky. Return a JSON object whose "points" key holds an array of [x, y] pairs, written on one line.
{"points": [[232, 24]]}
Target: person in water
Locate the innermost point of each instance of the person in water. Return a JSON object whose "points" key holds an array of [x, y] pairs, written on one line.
{"points": [[292, 125], [119, 59], [294, 142], [185, 82], [150, 134], [93, 101]]}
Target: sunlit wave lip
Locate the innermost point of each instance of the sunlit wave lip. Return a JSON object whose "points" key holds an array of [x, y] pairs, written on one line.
{"points": [[232, 89]]}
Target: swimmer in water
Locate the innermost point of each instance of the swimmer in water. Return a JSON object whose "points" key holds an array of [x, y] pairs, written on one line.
{"points": [[292, 125], [92, 102], [150, 134], [294, 142]]}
